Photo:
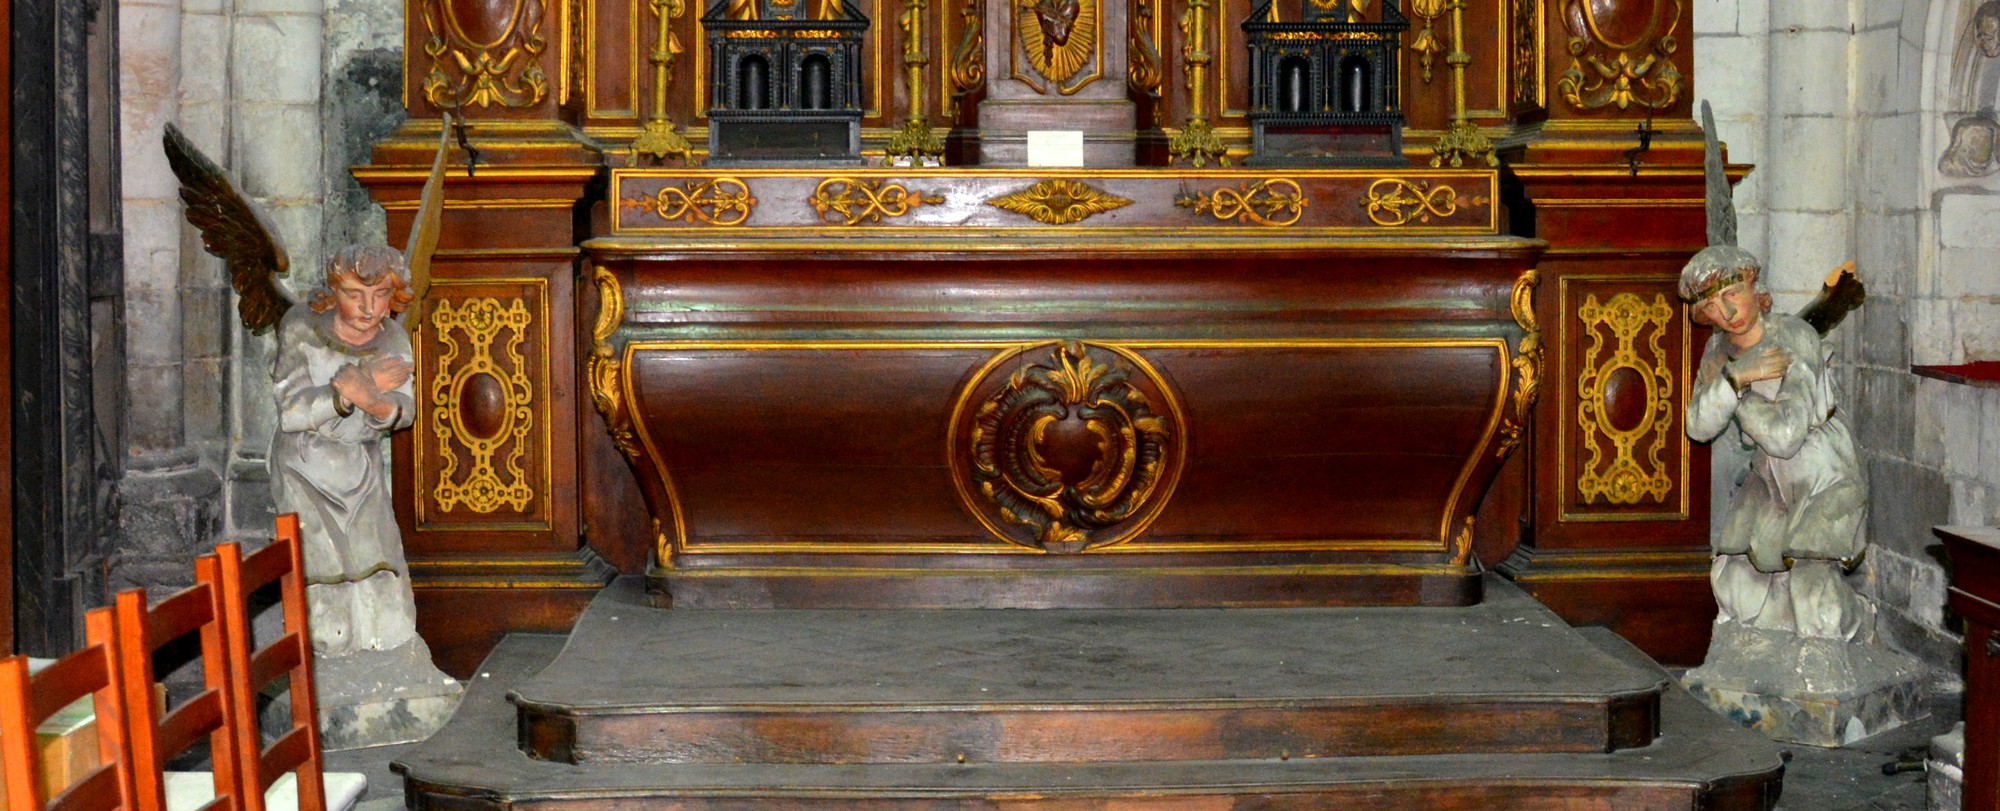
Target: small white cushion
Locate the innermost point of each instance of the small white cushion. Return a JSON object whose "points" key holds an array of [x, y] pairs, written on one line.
{"points": [[188, 791]]}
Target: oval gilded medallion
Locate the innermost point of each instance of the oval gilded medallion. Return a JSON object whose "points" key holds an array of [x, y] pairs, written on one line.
{"points": [[1077, 447]]}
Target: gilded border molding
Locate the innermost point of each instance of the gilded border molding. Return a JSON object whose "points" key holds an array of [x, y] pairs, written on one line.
{"points": [[481, 321], [1625, 480]]}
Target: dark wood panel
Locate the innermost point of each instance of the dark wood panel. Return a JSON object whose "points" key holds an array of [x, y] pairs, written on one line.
{"points": [[463, 624]]}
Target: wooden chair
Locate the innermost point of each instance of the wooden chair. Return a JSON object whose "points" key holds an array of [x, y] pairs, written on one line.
{"points": [[158, 737], [297, 752], [28, 700]]}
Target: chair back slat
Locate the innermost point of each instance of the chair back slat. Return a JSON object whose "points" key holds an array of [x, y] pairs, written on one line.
{"points": [[158, 737], [26, 701], [236, 577]]}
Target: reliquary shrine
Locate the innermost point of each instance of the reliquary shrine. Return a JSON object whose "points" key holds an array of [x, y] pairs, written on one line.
{"points": [[1055, 304], [1277, 352]]}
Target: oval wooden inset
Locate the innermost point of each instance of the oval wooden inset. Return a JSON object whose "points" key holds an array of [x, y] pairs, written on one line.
{"points": [[484, 23], [1626, 398], [482, 405], [1624, 24]]}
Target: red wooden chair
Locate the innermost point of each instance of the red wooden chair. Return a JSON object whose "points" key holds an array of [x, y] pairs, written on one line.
{"points": [[236, 577], [158, 737], [28, 700]]}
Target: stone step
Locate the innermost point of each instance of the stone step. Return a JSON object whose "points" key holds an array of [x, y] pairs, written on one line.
{"points": [[641, 684], [1700, 761]]}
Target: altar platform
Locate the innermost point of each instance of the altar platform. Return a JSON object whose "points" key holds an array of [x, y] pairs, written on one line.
{"points": [[1498, 705]]}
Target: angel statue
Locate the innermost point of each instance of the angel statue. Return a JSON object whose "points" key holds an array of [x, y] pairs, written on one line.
{"points": [[1794, 528], [342, 384]]}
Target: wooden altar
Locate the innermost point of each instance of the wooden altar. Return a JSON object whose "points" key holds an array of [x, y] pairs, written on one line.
{"points": [[1315, 386]]}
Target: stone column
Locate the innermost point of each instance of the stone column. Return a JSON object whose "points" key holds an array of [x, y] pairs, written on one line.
{"points": [[1806, 179]]}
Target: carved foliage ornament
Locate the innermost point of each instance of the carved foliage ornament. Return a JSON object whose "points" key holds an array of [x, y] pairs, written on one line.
{"points": [[1624, 320], [1069, 447], [852, 202], [1058, 38], [719, 201], [1527, 52], [482, 403], [1393, 201], [484, 52], [607, 390], [1527, 361], [1621, 53], [1059, 202], [1278, 202]]}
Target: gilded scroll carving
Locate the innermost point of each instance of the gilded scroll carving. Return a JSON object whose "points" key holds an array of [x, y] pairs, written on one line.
{"points": [[967, 71], [718, 201], [1069, 447], [1426, 44], [1278, 202], [1393, 201], [483, 402], [1143, 71], [1059, 202], [1527, 362], [851, 202], [1620, 324], [478, 61], [1621, 54], [606, 372]]}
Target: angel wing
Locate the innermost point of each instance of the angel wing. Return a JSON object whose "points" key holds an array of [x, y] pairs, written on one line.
{"points": [[236, 231], [424, 229]]}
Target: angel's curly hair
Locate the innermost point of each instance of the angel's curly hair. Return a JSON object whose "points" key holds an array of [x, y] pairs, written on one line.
{"points": [[1719, 266], [366, 265]]}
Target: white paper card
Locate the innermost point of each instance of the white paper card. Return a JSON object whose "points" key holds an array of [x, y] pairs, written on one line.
{"points": [[1055, 147]]}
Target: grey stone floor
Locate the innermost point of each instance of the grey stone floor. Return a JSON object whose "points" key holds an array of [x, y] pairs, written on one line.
{"points": [[1847, 779]]}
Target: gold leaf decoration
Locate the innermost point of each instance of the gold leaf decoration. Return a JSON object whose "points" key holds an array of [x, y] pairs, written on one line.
{"points": [[718, 201], [488, 69], [1637, 70], [480, 322], [1059, 202], [1625, 480], [851, 202], [1059, 38], [1278, 202], [1527, 361], [1393, 201]]}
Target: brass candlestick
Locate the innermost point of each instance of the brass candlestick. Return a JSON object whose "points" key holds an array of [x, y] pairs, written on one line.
{"points": [[915, 142], [1462, 138], [1196, 141], [659, 138]]}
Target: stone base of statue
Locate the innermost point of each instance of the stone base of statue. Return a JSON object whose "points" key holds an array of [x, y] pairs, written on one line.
{"points": [[1820, 692], [1944, 771], [376, 698]]}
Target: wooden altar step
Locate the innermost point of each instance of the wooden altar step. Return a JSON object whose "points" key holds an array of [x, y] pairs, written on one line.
{"points": [[1493, 706]]}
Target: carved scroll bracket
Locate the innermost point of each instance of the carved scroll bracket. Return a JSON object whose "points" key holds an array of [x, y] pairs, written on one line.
{"points": [[607, 380], [1527, 362]]}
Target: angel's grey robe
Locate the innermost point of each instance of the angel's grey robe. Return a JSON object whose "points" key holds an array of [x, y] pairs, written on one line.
{"points": [[1805, 498], [329, 469]]}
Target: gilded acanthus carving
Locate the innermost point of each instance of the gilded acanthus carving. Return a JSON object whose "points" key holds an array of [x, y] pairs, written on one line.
{"points": [[1527, 361], [1621, 54], [1277, 202], [967, 71], [1058, 38], [1620, 324], [1069, 447], [851, 202], [1059, 202], [717, 201], [1143, 71], [479, 58], [481, 402], [1393, 201], [1426, 43], [606, 372]]}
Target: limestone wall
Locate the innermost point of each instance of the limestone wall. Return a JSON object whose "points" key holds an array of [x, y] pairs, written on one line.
{"points": [[1847, 108], [286, 94]]}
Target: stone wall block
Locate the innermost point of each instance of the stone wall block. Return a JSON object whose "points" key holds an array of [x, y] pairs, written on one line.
{"points": [[1905, 501], [1875, 54], [1889, 178], [1806, 71], [255, 413], [152, 241], [1886, 254], [1887, 415], [1809, 14], [1713, 17], [157, 426], [279, 159], [1804, 246], [1968, 272], [1888, 577], [1731, 76], [1929, 411], [149, 338], [1810, 172], [1968, 220], [276, 59], [205, 413], [1885, 341], [307, 8], [1976, 325], [1940, 649], [204, 59], [1989, 438], [206, 315], [1971, 503], [1962, 431], [1932, 341]]}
